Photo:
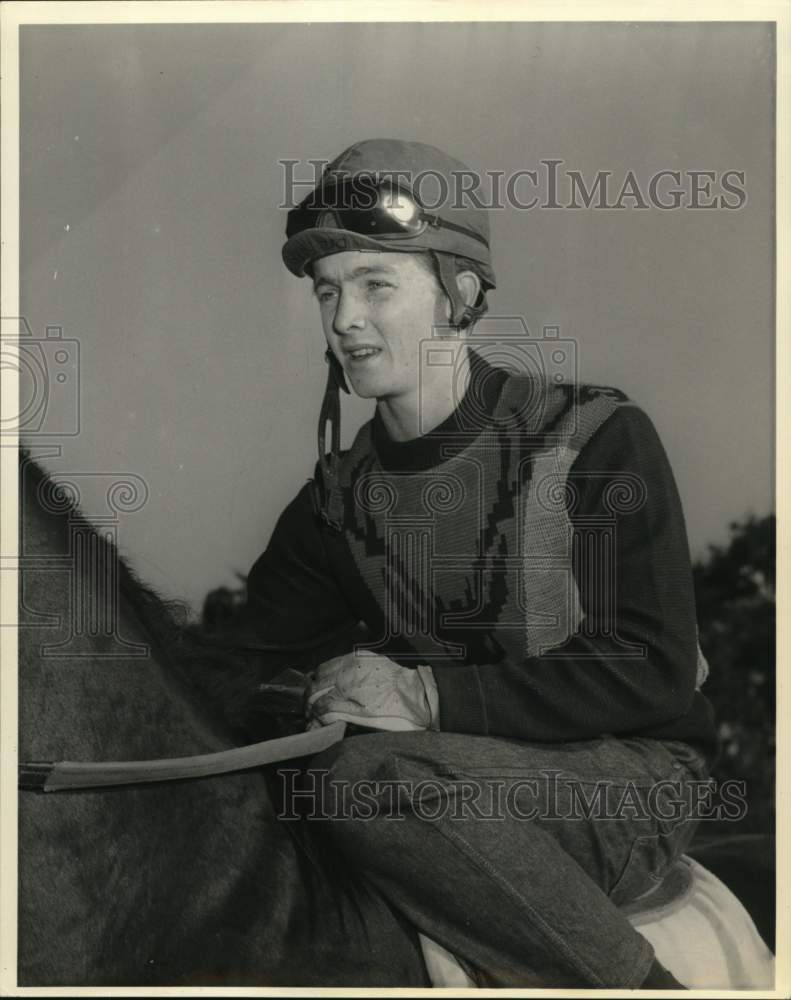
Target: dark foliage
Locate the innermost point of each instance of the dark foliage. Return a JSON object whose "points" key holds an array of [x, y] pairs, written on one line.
{"points": [[735, 593]]}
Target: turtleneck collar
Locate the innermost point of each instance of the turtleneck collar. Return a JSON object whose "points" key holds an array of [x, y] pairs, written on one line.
{"points": [[459, 430]]}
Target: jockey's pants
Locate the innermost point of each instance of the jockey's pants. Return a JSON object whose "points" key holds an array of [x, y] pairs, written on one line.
{"points": [[513, 856]]}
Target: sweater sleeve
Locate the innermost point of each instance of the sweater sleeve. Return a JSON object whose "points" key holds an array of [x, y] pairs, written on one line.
{"points": [[587, 686], [293, 598]]}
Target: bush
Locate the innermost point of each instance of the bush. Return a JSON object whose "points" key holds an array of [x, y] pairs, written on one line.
{"points": [[735, 594]]}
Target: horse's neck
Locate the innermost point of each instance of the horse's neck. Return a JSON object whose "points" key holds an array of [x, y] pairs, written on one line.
{"points": [[94, 685], [95, 682], [171, 883]]}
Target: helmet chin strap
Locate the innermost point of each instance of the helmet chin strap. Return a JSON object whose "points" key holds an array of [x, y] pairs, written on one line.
{"points": [[327, 496]]}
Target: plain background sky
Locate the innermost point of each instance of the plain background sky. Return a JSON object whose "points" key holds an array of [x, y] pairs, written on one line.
{"points": [[151, 234]]}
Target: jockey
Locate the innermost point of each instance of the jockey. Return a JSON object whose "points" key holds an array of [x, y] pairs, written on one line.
{"points": [[527, 701]]}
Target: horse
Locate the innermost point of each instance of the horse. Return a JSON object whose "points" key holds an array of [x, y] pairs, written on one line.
{"points": [[184, 883]]}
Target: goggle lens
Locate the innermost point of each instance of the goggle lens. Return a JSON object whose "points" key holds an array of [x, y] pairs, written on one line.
{"points": [[363, 205], [381, 211], [401, 208]]}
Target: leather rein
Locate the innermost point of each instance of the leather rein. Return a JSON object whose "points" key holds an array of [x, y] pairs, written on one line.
{"points": [[69, 775]]}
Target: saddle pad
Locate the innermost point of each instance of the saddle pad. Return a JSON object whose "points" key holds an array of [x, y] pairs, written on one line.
{"points": [[708, 940], [698, 928]]}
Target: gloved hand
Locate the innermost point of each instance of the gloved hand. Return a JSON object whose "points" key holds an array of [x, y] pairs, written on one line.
{"points": [[371, 690]]}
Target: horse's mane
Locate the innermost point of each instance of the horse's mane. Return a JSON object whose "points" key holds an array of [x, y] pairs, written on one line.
{"points": [[163, 619], [219, 673]]}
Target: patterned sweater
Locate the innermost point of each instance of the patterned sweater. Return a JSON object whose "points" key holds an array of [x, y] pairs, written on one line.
{"points": [[531, 550]]}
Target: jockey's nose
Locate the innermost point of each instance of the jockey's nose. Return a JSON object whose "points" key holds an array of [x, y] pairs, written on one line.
{"points": [[350, 313]]}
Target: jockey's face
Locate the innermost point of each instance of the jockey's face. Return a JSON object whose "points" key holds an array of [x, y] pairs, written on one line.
{"points": [[376, 308]]}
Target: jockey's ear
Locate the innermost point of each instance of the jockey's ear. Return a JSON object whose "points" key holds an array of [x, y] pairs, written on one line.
{"points": [[469, 285]]}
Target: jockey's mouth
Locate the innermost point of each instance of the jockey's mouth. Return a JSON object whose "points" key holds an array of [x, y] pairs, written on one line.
{"points": [[361, 352]]}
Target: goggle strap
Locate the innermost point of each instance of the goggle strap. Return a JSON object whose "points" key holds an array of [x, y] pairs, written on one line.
{"points": [[437, 223]]}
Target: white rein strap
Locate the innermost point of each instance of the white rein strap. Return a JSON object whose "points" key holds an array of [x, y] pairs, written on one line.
{"points": [[66, 774]]}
